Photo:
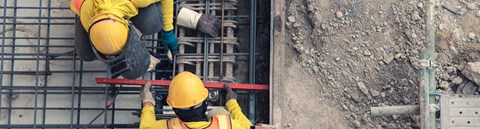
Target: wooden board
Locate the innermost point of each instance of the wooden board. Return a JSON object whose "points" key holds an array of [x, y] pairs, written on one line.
{"points": [[277, 62]]}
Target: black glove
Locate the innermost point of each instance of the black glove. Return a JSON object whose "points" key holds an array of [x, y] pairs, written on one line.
{"points": [[230, 93], [209, 25]]}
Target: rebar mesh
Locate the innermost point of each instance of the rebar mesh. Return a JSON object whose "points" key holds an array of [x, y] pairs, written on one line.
{"points": [[45, 85]]}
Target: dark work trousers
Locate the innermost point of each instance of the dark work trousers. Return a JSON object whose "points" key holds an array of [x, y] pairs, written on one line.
{"points": [[149, 20]]}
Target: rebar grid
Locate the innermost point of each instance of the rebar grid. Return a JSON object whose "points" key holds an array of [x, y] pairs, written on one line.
{"points": [[45, 85], [209, 67]]}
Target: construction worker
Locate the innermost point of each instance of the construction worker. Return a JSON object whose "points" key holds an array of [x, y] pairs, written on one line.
{"points": [[103, 32], [187, 96]]}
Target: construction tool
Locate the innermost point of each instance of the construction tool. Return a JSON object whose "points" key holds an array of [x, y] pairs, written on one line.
{"points": [[212, 85]]}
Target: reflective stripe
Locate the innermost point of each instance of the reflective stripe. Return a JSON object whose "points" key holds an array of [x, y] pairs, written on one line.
{"points": [[78, 4], [134, 5], [222, 122], [74, 8], [217, 122]]}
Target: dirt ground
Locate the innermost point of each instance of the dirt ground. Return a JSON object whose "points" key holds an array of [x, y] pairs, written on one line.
{"points": [[346, 56]]}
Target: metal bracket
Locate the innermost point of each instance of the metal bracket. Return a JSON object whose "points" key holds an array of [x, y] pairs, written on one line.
{"points": [[426, 63]]}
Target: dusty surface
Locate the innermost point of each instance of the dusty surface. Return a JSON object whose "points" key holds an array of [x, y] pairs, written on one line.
{"points": [[346, 56]]}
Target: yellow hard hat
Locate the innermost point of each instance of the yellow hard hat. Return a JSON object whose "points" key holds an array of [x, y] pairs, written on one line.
{"points": [[186, 90], [108, 33]]}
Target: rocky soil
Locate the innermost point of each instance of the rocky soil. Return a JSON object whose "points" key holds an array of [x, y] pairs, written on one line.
{"points": [[355, 54]]}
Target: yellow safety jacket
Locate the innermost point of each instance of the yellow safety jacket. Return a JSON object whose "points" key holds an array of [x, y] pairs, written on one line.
{"points": [[237, 120], [85, 9]]}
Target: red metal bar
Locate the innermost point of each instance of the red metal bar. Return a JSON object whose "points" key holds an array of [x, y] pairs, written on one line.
{"points": [[212, 85]]}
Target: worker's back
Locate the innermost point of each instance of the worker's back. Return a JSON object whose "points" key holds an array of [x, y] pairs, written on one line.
{"points": [[87, 9]]}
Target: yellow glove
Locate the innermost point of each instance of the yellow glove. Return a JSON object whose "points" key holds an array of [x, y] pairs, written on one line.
{"points": [[146, 95]]}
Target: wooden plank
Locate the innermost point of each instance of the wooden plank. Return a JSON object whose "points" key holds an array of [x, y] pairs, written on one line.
{"points": [[277, 62]]}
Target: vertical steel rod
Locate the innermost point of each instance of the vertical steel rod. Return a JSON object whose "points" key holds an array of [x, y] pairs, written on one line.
{"points": [[105, 109], [47, 60], [73, 91], [12, 62], [37, 65], [252, 61], [205, 47], [427, 84], [79, 102], [221, 41]]}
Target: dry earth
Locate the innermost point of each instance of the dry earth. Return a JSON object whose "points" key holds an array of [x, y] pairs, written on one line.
{"points": [[345, 56]]}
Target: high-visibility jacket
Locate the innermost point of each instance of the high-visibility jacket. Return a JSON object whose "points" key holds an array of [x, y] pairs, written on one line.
{"points": [[237, 119], [217, 122], [86, 9]]}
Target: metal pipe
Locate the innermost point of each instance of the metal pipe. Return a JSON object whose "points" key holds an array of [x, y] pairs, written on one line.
{"points": [[395, 110], [253, 45], [427, 83]]}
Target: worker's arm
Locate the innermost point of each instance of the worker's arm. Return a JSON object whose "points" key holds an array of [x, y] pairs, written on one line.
{"points": [[239, 120], [148, 121], [167, 10]]}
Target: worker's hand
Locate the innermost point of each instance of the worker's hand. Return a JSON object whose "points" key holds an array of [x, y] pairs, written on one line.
{"points": [[230, 93], [205, 23], [145, 94], [153, 63], [170, 42], [209, 25]]}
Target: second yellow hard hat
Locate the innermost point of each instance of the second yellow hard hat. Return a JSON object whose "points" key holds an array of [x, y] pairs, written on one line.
{"points": [[186, 90]]}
